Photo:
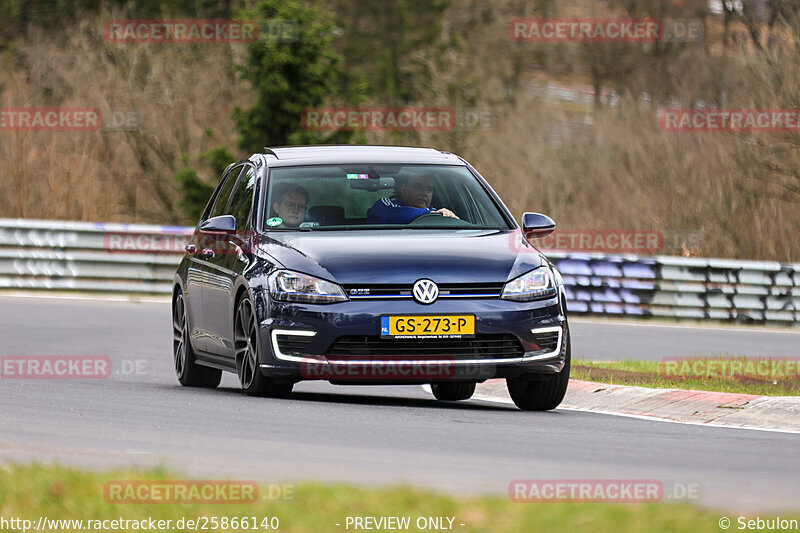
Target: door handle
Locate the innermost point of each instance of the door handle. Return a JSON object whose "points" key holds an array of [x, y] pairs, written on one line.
{"points": [[208, 252], [191, 248]]}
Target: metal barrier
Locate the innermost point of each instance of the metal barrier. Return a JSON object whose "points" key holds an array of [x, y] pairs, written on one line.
{"points": [[46, 254], [135, 258], [681, 287]]}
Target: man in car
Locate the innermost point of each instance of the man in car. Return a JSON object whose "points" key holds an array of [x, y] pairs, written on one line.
{"points": [[412, 198], [290, 204]]}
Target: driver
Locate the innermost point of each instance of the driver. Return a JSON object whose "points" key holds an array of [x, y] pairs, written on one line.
{"points": [[412, 198], [291, 202]]}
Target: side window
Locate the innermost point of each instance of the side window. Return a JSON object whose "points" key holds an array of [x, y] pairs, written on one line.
{"points": [[242, 198], [221, 202]]}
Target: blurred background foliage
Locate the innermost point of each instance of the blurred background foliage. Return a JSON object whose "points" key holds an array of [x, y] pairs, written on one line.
{"points": [[569, 129]]}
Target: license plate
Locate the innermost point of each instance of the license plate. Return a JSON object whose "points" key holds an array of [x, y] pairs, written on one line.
{"points": [[428, 327]]}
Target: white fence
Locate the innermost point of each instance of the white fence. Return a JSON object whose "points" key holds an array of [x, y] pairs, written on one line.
{"points": [[42, 254]]}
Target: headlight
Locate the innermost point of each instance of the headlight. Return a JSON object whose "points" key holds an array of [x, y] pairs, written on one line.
{"points": [[288, 286], [535, 285]]}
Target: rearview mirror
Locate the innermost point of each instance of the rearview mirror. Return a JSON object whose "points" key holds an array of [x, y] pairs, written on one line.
{"points": [[536, 225], [220, 224], [372, 185]]}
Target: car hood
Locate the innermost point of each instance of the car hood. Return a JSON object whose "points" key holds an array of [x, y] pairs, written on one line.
{"points": [[404, 256]]}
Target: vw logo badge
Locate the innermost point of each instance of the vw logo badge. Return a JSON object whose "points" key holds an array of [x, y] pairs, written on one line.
{"points": [[425, 291]]}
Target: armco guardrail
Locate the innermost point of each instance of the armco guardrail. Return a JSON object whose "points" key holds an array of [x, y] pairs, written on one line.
{"points": [[681, 287], [43, 254], [46, 254]]}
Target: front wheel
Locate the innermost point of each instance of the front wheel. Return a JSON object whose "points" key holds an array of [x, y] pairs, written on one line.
{"points": [[189, 373], [246, 347], [453, 392], [546, 394]]}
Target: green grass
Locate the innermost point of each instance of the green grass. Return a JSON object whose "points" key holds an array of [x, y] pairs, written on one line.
{"points": [[656, 375], [61, 493]]}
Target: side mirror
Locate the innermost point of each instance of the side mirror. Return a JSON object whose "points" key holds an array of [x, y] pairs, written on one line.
{"points": [[221, 224], [535, 225]]}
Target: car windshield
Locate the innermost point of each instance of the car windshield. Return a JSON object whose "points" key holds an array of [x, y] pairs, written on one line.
{"points": [[379, 196]]}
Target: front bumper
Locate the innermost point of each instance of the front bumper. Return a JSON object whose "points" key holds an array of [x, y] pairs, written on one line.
{"points": [[317, 327]]}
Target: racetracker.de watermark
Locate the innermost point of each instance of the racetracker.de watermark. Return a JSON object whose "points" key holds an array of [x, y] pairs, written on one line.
{"points": [[395, 369], [68, 119], [69, 367], [729, 120], [121, 120], [178, 242], [378, 118], [50, 119], [609, 241], [152, 243], [181, 31], [600, 490], [761, 368], [188, 492], [55, 366], [591, 30]]}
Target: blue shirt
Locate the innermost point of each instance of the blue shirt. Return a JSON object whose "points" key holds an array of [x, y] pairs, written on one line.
{"points": [[390, 211]]}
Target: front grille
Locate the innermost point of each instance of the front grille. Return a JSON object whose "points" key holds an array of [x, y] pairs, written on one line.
{"points": [[403, 291], [294, 344], [480, 347]]}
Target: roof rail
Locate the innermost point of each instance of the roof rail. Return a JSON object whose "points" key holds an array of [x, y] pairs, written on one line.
{"points": [[270, 152]]}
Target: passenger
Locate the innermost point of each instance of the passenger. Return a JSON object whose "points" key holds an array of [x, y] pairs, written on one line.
{"points": [[290, 204], [412, 198]]}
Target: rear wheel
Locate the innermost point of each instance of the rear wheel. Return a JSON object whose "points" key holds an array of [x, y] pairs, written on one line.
{"points": [[189, 373], [246, 347], [546, 394], [453, 392]]}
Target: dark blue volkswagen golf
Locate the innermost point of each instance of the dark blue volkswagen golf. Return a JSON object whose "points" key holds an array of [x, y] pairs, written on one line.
{"points": [[368, 265]]}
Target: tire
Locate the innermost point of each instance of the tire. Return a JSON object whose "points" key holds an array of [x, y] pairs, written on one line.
{"points": [[189, 373], [546, 394], [246, 347], [453, 392]]}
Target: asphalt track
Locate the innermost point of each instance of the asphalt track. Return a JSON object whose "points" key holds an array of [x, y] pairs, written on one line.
{"points": [[367, 435]]}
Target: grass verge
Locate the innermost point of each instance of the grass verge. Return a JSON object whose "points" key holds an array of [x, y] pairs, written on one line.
{"points": [[764, 376], [32, 491]]}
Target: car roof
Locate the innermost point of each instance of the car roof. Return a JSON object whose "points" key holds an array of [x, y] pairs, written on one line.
{"points": [[326, 154]]}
